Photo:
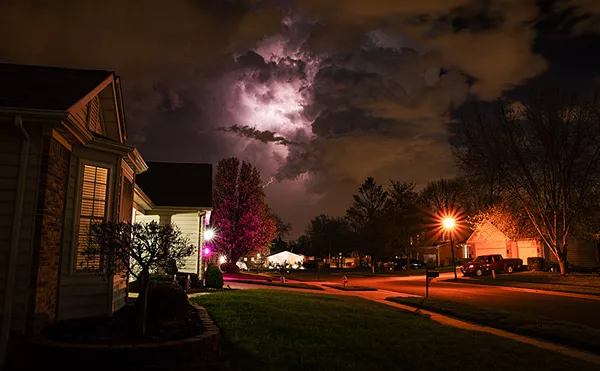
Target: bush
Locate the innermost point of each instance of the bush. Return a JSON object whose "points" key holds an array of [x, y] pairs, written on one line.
{"points": [[230, 268], [166, 301], [161, 277], [195, 281], [214, 277], [535, 264]]}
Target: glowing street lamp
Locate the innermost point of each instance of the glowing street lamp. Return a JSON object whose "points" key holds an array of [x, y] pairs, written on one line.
{"points": [[449, 224]]}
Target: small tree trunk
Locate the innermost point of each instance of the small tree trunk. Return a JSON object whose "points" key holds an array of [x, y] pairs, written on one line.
{"points": [[563, 266], [144, 307]]}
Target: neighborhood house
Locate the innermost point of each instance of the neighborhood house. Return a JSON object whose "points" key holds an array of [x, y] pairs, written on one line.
{"points": [[65, 163]]}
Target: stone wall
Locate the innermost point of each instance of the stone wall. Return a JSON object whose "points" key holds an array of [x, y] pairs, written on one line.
{"points": [[49, 221]]}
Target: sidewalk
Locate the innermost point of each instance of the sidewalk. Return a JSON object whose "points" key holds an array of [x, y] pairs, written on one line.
{"points": [[379, 296]]}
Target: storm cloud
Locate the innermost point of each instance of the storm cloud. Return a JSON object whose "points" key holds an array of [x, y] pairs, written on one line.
{"points": [[317, 94]]}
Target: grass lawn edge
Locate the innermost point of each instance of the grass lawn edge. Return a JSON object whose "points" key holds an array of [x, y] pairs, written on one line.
{"points": [[350, 288], [278, 284], [524, 285], [558, 333]]}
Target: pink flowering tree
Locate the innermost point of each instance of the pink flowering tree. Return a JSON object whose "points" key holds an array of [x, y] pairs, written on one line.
{"points": [[241, 217]]}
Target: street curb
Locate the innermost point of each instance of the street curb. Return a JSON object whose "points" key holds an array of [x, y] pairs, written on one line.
{"points": [[533, 291], [449, 321]]}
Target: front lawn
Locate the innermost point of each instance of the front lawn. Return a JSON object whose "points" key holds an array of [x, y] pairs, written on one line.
{"points": [[335, 274], [291, 285], [280, 330], [575, 283], [567, 333]]}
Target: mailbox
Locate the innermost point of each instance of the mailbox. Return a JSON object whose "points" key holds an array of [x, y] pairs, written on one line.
{"points": [[433, 274]]}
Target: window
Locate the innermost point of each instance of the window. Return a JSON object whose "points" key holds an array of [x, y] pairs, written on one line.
{"points": [[92, 210]]}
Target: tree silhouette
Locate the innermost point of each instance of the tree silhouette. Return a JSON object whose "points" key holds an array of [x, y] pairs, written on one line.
{"points": [[366, 217]]}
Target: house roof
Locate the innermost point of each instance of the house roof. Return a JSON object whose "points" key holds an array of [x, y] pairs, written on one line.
{"points": [[170, 184], [46, 88]]}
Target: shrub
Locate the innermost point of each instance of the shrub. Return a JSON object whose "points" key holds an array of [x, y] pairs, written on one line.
{"points": [[535, 264], [230, 268], [166, 301], [195, 281], [214, 277], [162, 277]]}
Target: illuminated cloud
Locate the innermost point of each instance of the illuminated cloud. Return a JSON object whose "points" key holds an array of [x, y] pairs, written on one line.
{"points": [[318, 93]]}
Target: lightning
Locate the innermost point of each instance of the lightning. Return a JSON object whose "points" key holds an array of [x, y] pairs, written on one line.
{"points": [[269, 182]]}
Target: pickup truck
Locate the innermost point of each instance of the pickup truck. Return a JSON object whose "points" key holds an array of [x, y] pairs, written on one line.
{"points": [[487, 263]]}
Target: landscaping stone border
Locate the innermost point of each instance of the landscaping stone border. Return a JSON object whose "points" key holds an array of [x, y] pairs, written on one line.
{"points": [[181, 354]]}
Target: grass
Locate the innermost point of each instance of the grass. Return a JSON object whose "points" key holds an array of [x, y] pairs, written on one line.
{"points": [[279, 284], [566, 333], [576, 283], [283, 330], [335, 275], [351, 288]]}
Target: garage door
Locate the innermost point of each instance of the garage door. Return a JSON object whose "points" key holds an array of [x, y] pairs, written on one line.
{"points": [[491, 249], [527, 249]]}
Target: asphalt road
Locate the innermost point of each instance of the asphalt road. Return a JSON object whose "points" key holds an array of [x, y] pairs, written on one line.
{"points": [[578, 310]]}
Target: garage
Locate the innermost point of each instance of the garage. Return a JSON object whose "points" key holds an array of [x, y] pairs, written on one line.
{"points": [[490, 248], [527, 249]]}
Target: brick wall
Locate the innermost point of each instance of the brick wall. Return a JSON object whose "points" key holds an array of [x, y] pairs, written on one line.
{"points": [[49, 222]]}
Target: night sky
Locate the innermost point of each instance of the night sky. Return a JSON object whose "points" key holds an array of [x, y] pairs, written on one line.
{"points": [[319, 94]]}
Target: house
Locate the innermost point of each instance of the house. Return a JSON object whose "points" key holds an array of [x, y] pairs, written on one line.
{"points": [[65, 162], [180, 194], [488, 239]]}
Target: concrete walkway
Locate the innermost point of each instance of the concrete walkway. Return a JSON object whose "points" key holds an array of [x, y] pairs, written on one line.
{"points": [[379, 296]]}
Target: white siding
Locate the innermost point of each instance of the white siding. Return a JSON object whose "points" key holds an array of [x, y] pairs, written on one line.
{"points": [[189, 224], [83, 294], [10, 157], [141, 218]]}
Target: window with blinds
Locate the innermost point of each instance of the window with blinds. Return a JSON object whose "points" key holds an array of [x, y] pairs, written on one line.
{"points": [[92, 210]]}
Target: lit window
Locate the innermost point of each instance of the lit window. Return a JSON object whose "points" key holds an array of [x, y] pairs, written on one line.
{"points": [[93, 210]]}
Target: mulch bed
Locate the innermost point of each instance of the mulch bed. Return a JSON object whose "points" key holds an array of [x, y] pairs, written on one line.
{"points": [[123, 328]]}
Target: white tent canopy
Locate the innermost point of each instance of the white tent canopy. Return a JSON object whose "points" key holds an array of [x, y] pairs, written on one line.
{"points": [[285, 257]]}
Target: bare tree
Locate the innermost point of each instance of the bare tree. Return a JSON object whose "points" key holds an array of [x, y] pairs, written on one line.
{"points": [[138, 250], [444, 196], [546, 154]]}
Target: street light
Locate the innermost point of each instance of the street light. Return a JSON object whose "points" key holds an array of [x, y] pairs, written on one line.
{"points": [[449, 224]]}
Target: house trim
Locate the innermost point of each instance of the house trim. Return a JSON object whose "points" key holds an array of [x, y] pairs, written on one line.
{"points": [[60, 139]]}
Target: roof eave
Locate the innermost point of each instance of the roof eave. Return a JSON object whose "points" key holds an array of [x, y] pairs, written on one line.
{"points": [[34, 112]]}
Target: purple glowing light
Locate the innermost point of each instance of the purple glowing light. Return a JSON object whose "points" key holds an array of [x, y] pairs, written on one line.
{"points": [[207, 251]]}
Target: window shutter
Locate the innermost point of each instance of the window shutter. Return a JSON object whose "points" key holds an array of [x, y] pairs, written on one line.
{"points": [[92, 210]]}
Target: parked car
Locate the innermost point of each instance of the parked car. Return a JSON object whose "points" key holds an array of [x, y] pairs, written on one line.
{"points": [[402, 264], [486, 263]]}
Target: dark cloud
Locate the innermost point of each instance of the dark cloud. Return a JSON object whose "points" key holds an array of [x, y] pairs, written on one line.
{"points": [[264, 136], [319, 93]]}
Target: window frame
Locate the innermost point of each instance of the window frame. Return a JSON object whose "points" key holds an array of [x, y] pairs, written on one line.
{"points": [[77, 209]]}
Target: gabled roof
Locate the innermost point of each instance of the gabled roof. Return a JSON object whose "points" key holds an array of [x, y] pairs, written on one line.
{"points": [[169, 184], [46, 88]]}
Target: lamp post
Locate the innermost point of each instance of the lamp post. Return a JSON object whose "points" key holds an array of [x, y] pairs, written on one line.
{"points": [[449, 224]]}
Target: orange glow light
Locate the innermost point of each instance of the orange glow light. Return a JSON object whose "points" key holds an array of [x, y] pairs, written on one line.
{"points": [[449, 223]]}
